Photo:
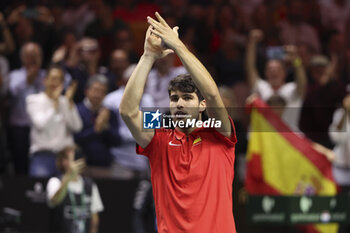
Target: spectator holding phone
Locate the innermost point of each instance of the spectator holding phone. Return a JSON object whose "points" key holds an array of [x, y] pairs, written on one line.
{"points": [[275, 74], [54, 119], [75, 199]]}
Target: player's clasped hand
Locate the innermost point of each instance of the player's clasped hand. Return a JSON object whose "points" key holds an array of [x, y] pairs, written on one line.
{"points": [[168, 35], [153, 46]]}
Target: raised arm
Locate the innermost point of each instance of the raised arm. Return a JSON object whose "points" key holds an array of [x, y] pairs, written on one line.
{"points": [[75, 169], [331, 68], [8, 44], [130, 104], [198, 72], [299, 70], [255, 36]]}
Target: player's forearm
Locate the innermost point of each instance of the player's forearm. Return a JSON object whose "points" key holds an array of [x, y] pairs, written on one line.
{"points": [[198, 72], [134, 89]]}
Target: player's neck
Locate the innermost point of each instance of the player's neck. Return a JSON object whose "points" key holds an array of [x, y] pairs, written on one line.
{"points": [[189, 130], [186, 131]]}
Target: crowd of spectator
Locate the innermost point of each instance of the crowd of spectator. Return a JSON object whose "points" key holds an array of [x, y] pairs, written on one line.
{"points": [[293, 51]]}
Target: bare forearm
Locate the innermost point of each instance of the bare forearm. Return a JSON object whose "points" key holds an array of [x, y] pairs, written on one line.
{"points": [[73, 58], [300, 77], [94, 223], [61, 192], [8, 39], [198, 72], [207, 87], [135, 86], [250, 65]]}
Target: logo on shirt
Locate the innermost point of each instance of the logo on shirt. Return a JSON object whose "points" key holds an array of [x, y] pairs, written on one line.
{"points": [[174, 144], [197, 141], [151, 120]]}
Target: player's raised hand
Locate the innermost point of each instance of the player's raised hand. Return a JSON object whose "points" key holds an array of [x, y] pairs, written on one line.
{"points": [[168, 35], [153, 45]]}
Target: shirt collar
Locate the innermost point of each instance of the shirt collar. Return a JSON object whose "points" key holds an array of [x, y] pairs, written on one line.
{"points": [[180, 135], [88, 105]]}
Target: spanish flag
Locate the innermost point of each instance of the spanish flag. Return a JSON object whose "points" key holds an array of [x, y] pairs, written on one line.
{"points": [[281, 162]]}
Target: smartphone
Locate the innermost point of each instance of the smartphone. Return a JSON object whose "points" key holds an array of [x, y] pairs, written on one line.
{"points": [[275, 52]]}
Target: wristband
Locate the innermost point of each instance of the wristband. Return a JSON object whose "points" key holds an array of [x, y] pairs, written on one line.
{"points": [[297, 62]]}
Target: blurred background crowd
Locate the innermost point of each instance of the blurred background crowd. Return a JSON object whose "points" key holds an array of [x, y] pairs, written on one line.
{"points": [[293, 54]]}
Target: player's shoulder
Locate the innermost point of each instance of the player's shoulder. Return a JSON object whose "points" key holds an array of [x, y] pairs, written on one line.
{"points": [[163, 134]]}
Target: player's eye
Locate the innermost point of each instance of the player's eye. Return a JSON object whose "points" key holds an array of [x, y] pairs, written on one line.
{"points": [[174, 98], [187, 97]]}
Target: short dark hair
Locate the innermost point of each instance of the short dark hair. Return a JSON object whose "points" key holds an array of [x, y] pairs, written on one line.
{"points": [[55, 66], [185, 84]]}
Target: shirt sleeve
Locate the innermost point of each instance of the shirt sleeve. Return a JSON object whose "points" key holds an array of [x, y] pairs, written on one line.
{"points": [[52, 187], [154, 143], [71, 116], [108, 103], [263, 89], [17, 83], [229, 141], [96, 202], [289, 91], [39, 113]]}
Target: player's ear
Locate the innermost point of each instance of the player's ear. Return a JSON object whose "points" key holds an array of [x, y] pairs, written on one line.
{"points": [[202, 106]]}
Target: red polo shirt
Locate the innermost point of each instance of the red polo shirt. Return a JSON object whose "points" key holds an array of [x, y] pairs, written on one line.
{"points": [[192, 179]]}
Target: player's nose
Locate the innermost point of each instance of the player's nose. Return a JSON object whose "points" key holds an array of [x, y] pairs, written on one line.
{"points": [[180, 103]]}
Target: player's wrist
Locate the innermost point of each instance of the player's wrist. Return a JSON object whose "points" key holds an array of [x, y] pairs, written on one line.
{"points": [[180, 47], [149, 56]]}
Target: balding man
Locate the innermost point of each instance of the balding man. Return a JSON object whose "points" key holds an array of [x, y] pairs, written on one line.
{"points": [[23, 82], [119, 62]]}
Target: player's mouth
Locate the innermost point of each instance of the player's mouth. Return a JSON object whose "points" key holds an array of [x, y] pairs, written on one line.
{"points": [[181, 114]]}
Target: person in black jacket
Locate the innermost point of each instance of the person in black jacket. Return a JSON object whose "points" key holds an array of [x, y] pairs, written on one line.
{"points": [[100, 125]]}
